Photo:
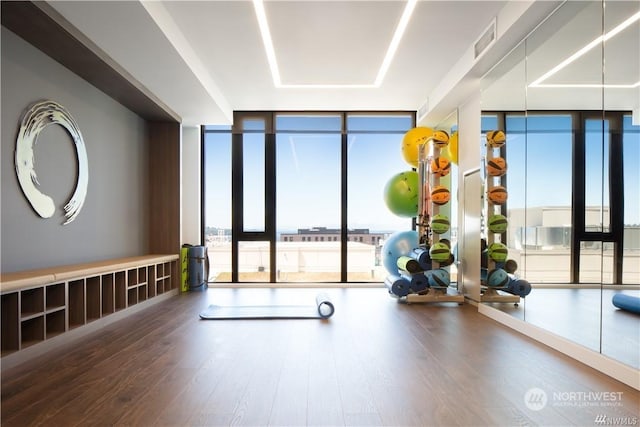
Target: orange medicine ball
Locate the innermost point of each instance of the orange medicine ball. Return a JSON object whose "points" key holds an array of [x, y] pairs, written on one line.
{"points": [[440, 166], [496, 166], [498, 195], [440, 195]]}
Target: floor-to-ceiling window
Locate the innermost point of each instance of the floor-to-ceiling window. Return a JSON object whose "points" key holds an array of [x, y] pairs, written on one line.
{"points": [[373, 156], [216, 206], [308, 189], [317, 179]]}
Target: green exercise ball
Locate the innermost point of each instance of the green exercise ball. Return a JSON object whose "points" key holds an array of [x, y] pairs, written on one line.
{"points": [[401, 194]]}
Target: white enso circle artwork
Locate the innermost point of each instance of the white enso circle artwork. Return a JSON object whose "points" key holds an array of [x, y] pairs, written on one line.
{"points": [[37, 117]]}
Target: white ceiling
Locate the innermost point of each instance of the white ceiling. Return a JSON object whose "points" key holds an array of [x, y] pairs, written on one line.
{"points": [[205, 59]]}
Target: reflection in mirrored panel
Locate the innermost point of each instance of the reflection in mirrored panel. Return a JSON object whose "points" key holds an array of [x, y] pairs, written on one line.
{"points": [[573, 144], [621, 256], [503, 165], [450, 181]]}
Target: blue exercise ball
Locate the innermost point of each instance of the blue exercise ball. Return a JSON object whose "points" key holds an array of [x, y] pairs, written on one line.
{"points": [[497, 278], [439, 278], [398, 244]]}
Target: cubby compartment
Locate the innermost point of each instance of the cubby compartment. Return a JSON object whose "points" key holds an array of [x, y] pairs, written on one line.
{"points": [[93, 304], [55, 323], [107, 294], [10, 323], [132, 296], [120, 289], [31, 302], [173, 276], [32, 331], [132, 277], [142, 275], [76, 303], [151, 281], [142, 292], [160, 271], [55, 297]]}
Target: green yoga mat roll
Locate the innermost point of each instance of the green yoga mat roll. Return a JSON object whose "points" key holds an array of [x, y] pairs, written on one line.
{"points": [[408, 264]]}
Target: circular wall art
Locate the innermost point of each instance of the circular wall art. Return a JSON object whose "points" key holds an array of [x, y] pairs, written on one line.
{"points": [[37, 117]]}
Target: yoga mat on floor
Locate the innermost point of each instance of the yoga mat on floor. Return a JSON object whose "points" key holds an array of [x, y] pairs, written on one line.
{"points": [[322, 310]]}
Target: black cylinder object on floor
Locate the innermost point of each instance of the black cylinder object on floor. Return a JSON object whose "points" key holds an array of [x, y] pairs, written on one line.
{"points": [[198, 267]]}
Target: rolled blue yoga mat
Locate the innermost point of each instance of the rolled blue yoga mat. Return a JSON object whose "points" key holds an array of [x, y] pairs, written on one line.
{"points": [[397, 285], [626, 302], [417, 282], [519, 287], [422, 256]]}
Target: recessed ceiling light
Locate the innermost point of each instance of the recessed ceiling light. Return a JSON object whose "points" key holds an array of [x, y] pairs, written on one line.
{"points": [[386, 62], [581, 52]]}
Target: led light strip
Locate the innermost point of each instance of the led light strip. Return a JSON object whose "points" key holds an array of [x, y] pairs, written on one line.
{"points": [[584, 50], [591, 85], [386, 62]]}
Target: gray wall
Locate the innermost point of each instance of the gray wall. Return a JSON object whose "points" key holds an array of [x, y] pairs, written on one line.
{"points": [[113, 220]]}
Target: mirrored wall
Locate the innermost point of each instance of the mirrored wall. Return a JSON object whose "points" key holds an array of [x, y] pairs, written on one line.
{"points": [[568, 100], [450, 181]]}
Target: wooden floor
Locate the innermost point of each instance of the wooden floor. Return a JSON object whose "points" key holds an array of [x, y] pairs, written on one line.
{"points": [[375, 362]]}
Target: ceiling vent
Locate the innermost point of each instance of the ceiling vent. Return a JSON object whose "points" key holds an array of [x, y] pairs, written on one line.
{"points": [[485, 40]]}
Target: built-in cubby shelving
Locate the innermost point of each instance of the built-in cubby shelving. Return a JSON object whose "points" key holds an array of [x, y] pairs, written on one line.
{"points": [[120, 290], [40, 305], [108, 294]]}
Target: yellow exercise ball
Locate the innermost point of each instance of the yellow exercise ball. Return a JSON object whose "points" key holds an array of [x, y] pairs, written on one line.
{"points": [[412, 141], [451, 152]]}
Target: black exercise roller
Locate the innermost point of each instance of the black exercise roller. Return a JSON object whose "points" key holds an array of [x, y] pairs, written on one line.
{"points": [[325, 306]]}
